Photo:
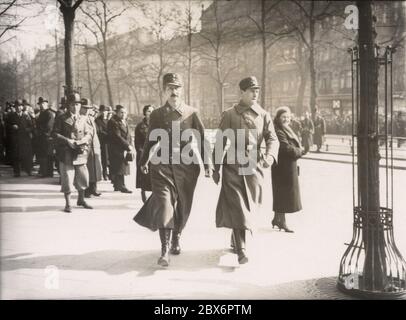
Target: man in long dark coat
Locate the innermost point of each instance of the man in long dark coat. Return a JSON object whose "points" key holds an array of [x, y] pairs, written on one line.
{"points": [[307, 132], [319, 131], [173, 181], [45, 124], [241, 191], [101, 124], [20, 129], [120, 144], [143, 181]]}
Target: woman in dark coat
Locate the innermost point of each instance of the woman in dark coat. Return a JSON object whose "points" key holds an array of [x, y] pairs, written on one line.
{"points": [[143, 181], [285, 174]]}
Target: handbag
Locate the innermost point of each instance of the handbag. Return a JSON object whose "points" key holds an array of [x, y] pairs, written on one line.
{"points": [[129, 157]]}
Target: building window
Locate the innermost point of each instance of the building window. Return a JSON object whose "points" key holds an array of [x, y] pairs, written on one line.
{"points": [[348, 79]]}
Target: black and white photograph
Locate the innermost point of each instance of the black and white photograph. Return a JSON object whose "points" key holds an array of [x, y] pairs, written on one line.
{"points": [[202, 150]]}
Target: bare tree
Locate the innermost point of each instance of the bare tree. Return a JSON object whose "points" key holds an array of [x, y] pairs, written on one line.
{"points": [[100, 16], [68, 9], [220, 41], [304, 16], [9, 21], [270, 29], [157, 57]]}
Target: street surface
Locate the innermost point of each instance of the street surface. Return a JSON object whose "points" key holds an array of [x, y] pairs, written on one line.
{"points": [[102, 253]]}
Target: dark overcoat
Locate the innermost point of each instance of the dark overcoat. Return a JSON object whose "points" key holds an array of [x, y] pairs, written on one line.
{"points": [[45, 124], [94, 160], [119, 141], [307, 133], [102, 133], [241, 195], [319, 130], [173, 184], [20, 129], [285, 174], [143, 181]]}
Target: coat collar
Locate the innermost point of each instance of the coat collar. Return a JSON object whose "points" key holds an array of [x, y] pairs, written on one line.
{"points": [[291, 134], [180, 109], [241, 107]]}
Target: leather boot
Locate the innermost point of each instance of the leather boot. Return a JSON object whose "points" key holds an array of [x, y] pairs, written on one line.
{"points": [[165, 236], [175, 247], [239, 236]]}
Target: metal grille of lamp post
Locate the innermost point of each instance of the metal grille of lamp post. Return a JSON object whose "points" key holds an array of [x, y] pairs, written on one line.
{"points": [[372, 265]]}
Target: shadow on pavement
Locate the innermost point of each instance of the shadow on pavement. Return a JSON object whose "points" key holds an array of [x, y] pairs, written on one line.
{"points": [[115, 262]]}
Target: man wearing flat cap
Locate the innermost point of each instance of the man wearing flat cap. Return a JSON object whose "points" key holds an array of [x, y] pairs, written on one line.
{"points": [[45, 124], [72, 136], [173, 182], [93, 161], [241, 190], [101, 124]]}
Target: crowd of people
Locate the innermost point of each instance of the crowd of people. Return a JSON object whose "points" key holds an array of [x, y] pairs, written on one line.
{"points": [[87, 143], [82, 141]]}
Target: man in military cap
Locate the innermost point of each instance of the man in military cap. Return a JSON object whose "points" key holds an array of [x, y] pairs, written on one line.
{"points": [[45, 124], [93, 160], [101, 123], [241, 190], [73, 136], [173, 183]]}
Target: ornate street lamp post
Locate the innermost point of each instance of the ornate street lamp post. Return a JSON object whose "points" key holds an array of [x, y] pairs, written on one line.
{"points": [[372, 266]]}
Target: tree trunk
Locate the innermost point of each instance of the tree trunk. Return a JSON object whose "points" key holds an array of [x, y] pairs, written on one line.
{"points": [[313, 77], [89, 76], [137, 102], [302, 83], [58, 82], [368, 153], [69, 22], [189, 70], [264, 56]]}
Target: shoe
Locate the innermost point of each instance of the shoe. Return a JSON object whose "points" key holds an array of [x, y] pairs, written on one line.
{"points": [[175, 247], [84, 205], [242, 258], [87, 195], [96, 194], [274, 222], [117, 189], [68, 209], [285, 228], [125, 190], [165, 236]]}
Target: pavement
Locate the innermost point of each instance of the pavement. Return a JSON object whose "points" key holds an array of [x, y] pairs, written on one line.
{"points": [[103, 254]]}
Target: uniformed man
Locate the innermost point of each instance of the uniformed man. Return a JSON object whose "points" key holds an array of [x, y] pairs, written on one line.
{"points": [[101, 124], [120, 148], [72, 135], [45, 124], [93, 160], [241, 188], [173, 182], [143, 181]]}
